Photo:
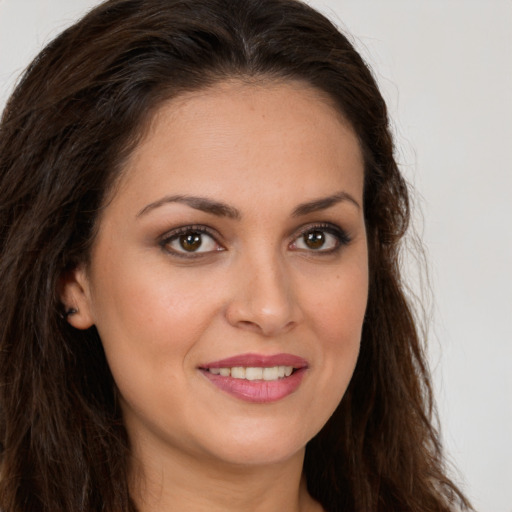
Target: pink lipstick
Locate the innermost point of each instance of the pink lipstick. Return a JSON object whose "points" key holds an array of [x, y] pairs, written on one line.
{"points": [[255, 377]]}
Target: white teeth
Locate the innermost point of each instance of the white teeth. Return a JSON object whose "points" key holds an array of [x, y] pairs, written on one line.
{"points": [[254, 373], [271, 373], [238, 372]]}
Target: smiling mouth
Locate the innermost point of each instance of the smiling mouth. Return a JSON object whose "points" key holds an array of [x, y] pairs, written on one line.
{"points": [[254, 373], [257, 378]]}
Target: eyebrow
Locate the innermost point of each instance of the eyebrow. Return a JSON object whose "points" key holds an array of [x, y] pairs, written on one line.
{"points": [[323, 203], [198, 203], [224, 210]]}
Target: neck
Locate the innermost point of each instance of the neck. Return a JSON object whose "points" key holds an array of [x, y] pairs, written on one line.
{"points": [[164, 481]]}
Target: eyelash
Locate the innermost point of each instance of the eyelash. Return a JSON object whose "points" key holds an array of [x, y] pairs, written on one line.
{"points": [[192, 229], [341, 237]]}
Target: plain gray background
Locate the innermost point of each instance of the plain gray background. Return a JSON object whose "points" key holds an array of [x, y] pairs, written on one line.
{"points": [[445, 69]]}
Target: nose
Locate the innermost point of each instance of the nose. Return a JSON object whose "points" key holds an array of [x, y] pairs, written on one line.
{"points": [[263, 298]]}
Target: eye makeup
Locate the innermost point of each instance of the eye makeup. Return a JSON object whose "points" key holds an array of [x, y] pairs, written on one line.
{"points": [[191, 241], [320, 238], [197, 240]]}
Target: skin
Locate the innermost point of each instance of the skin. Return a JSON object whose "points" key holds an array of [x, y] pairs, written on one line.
{"points": [[255, 286]]}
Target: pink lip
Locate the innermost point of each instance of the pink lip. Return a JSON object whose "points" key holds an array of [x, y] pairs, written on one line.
{"points": [[258, 391]]}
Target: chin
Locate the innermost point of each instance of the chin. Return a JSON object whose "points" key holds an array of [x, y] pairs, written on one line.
{"points": [[256, 455], [260, 445]]}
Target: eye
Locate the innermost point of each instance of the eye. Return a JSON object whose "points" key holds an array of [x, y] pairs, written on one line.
{"points": [[190, 241], [322, 239]]}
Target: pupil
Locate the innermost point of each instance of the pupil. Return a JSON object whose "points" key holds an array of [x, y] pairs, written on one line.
{"points": [[314, 239], [190, 241]]}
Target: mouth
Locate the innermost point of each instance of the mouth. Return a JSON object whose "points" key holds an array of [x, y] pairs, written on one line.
{"points": [[254, 372], [257, 378]]}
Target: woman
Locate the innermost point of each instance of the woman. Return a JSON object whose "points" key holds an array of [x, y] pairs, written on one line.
{"points": [[202, 304]]}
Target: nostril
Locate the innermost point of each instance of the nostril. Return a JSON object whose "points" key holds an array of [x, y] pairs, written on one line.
{"points": [[246, 324], [265, 328]]}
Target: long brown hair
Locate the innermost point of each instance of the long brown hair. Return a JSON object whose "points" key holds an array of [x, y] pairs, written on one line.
{"points": [[78, 111]]}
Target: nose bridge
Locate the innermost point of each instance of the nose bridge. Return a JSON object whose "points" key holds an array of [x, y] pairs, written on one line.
{"points": [[264, 298], [270, 287]]}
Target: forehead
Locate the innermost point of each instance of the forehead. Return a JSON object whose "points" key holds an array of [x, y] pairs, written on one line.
{"points": [[274, 137]]}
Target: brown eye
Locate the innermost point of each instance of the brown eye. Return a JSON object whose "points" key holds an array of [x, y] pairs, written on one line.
{"points": [[190, 242], [321, 239], [314, 239]]}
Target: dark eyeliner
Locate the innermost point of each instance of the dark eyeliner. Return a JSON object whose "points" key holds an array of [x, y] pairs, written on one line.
{"points": [[339, 233], [172, 235]]}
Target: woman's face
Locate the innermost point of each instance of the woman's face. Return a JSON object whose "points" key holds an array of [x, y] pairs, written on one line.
{"points": [[232, 254]]}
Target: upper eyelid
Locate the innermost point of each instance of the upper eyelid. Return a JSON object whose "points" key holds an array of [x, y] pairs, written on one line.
{"points": [[204, 228], [199, 228], [320, 226]]}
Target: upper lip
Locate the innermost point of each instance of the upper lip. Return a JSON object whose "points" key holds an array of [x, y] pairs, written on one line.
{"points": [[258, 361]]}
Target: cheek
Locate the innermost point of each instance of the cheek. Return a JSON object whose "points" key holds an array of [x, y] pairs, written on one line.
{"points": [[337, 314], [338, 305], [151, 302], [150, 318]]}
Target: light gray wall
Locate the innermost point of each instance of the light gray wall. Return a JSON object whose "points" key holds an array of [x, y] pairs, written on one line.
{"points": [[444, 66]]}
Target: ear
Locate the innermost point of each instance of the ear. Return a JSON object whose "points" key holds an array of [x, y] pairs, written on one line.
{"points": [[74, 292]]}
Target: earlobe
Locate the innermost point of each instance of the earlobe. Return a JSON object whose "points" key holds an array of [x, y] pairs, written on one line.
{"points": [[74, 292]]}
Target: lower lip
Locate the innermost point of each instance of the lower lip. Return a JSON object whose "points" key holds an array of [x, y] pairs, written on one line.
{"points": [[258, 391]]}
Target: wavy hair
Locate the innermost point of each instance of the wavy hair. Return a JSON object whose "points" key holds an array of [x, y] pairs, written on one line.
{"points": [[75, 116]]}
